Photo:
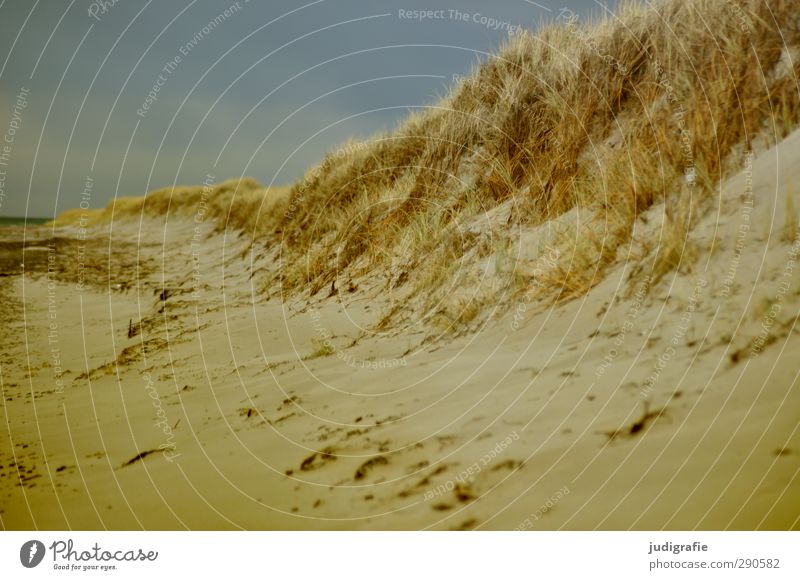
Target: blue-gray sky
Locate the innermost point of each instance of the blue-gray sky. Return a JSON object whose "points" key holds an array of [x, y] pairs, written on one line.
{"points": [[265, 79]]}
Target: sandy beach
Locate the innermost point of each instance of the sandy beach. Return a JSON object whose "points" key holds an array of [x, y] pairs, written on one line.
{"points": [[149, 383]]}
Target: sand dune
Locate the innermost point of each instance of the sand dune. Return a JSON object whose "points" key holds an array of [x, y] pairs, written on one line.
{"points": [[165, 391]]}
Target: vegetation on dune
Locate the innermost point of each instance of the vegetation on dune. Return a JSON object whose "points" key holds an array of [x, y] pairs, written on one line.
{"points": [[234, 204], [574, 132], [583, 125]]}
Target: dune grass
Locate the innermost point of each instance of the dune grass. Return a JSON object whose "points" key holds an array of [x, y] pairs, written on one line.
{"points": [[234, 204], [651, 106]]}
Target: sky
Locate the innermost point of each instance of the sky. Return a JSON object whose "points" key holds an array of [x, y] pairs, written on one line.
{"points": [[129, 96]]}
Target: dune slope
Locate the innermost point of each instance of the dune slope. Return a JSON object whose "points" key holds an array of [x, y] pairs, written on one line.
{"points": [[565, 297]]}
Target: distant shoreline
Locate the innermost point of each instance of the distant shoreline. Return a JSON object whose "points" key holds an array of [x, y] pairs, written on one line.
{"points": [[21, 221]]}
